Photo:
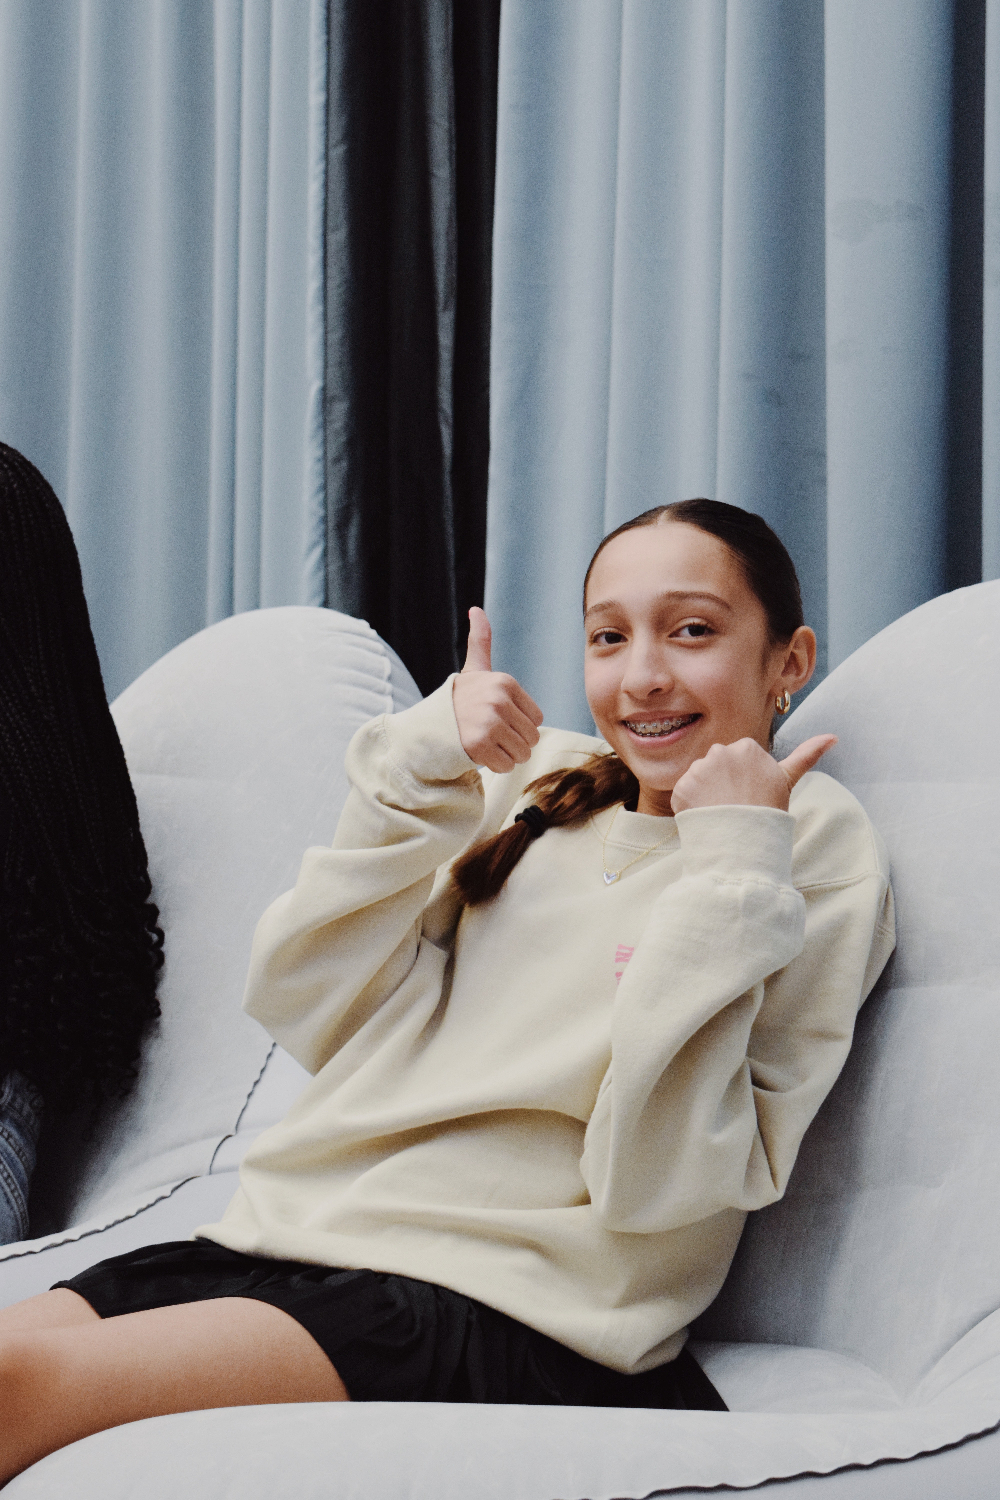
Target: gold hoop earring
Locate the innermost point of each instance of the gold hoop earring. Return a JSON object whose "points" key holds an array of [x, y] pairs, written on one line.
{"points": [[784, 703]]}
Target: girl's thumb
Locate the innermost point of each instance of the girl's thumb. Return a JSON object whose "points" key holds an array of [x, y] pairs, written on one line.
{"points": [[477, 657], [805, 757]]}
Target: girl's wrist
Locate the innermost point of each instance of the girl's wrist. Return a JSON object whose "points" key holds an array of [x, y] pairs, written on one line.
{"points": [[424, 740], [737, 841]]}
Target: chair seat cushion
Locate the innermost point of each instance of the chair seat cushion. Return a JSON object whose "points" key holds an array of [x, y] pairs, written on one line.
{"points": [[425, 1452], [784, 1378]]}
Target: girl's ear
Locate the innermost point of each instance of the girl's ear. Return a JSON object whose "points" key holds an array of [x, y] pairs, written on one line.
{"points": [[799, 661]]}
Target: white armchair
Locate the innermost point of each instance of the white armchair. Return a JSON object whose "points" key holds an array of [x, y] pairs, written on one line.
{"points": [[236, 743], [857, 1339]]}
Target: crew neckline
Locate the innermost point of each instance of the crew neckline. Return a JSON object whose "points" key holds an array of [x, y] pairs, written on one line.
{"points": [[634, 830]]}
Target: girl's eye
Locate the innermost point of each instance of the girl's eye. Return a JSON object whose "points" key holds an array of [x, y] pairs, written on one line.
{"points": [[696, 629], [608, 638]]}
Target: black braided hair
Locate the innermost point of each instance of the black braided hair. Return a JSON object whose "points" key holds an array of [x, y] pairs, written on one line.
{"points": [[80, 942]]}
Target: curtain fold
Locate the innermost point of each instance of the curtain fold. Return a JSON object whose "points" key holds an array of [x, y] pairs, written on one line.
{"points": [[739, 252], [161, 300], [410, 153], [888, 118]]}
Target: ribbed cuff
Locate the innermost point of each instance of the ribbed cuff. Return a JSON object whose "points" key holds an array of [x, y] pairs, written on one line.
{"points": [[737, 842], [424, 740]]}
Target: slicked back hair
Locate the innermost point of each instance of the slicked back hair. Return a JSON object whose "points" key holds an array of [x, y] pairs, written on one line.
{"points": [[759, 551]]}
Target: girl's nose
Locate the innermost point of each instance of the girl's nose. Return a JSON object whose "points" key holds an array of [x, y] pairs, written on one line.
{"points": [[647, 671]]}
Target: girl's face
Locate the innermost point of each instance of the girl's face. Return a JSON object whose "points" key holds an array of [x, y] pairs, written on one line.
{"points": [[678, 656]]}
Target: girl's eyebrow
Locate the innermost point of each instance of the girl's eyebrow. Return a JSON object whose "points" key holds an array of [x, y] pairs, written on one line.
{"points": [[607, 605]]}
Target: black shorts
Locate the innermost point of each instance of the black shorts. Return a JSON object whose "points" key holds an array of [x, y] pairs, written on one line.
{"points": [[391, 1338]]}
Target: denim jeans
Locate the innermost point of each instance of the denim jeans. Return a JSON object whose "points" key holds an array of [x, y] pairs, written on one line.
{"points": [[20, 1121]]}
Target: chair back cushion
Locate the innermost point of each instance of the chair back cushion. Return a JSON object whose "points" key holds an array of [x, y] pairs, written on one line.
{"points": [[235, 741], [885, 1244]]}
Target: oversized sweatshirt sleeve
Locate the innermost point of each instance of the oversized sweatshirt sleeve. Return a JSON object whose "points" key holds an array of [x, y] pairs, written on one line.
{"points": [[327, 953], [731, 1022]]}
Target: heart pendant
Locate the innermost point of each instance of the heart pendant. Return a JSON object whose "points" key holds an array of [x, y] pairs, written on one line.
{"points": [[610, 876]]}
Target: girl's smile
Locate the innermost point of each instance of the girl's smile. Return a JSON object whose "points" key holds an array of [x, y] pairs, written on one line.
{"points": [[663, 731]]}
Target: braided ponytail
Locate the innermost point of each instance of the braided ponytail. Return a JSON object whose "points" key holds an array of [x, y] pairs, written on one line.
{"points": [[561, 797]]}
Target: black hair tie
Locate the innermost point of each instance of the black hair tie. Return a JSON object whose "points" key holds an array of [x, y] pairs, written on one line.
{"points": [[534, 820]]}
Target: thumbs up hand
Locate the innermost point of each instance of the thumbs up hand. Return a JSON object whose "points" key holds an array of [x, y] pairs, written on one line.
{"points": [[497, 721], [744, 773]]}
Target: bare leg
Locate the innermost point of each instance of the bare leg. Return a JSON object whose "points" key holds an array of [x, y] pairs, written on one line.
{"points": [[58, 1384], [59, 1309]]}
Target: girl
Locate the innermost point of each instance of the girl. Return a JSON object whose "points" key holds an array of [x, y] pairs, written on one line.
{"points": [[81, 947], [553, 1072]]}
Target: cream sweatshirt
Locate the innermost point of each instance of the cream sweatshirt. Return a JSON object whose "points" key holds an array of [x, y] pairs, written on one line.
{"points": [[565, 1101]]}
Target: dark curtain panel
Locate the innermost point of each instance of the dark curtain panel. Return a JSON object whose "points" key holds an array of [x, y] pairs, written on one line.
{"points": [[411, 146], [964, 538]]}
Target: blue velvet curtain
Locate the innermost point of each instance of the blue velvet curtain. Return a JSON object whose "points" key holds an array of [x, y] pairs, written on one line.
{"points": [[739, 251], [161, 300]]}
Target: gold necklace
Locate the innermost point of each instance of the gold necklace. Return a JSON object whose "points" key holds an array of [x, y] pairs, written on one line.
{"points": [[610, 876]]}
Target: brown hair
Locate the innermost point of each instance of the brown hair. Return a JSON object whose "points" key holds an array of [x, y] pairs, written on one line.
{"points": [[565, 797], [562, 797]]}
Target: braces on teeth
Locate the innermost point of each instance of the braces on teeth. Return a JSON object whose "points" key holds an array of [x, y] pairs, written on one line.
{"points": [[660, 726]]}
